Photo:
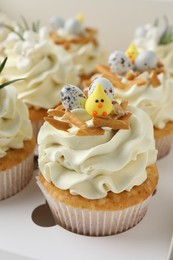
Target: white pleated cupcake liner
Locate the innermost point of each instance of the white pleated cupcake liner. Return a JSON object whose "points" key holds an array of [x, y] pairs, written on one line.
{"points": [[163, 145], [16, 178], [92, 222], [36, 127]]}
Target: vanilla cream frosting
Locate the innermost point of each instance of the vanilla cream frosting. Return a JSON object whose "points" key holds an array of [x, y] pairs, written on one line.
{"points": [[4, 19], [15, 126], [157, 102], [85, 56], [148, 37], [165, 55], [43, 65], [91, 166]]}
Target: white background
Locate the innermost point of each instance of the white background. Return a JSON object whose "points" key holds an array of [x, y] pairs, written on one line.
{"points": [[116, 21]]}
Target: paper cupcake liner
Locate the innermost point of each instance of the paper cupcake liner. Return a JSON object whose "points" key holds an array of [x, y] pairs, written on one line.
{"points": [[36, 127], [16, 178], [163, 145], [92, 222]]}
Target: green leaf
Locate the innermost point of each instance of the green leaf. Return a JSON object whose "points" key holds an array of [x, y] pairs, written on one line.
{"points": [[35, 26], [167, 37], [156, 22], [3, 64], [9, 82], [12, 30], [26, 26], [21, 28]]}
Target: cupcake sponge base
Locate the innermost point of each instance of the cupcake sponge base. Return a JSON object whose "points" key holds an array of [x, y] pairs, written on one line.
{"points": [[163, 145], [16, 169], [112, 215], [163, 139], [92, 222]]}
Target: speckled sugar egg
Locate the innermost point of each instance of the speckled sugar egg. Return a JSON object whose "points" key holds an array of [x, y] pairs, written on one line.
{"points": [[106, 85], [56, 22], [72, 97], [73, 26], [146, 60], [119, 63]]}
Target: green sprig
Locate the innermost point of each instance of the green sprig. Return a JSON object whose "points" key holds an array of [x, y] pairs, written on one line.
{"points": [[9, 82], [167, 36], [2, 65], [23, 26], [12, 30], [35, 26], [156, 22], [25, 23]]}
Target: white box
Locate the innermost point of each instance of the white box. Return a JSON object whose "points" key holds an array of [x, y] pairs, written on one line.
{"points": [[150, 239], [20, 237]]}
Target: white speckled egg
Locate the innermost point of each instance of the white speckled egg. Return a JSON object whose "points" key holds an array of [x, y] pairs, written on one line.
{"points": [[106, 85], [73, 26], [119, 63], [72, 97], [146, 60], [56, 22]]}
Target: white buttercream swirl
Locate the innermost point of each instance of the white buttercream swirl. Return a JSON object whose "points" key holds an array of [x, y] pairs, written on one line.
{"points": [[4, 19], [165, 55], [85, 56], [15, 126], [91, 166], [44, 66], [148, 37], [157, 102]]}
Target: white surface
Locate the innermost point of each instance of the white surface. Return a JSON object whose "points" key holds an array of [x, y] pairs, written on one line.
{"points": [[115, 19], [4, 255], [150, 239]]}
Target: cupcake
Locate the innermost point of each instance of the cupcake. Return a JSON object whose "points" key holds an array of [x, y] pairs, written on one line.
{"points": [[32, 56], [142, 80], [159, 38], [16, 141], [97, 162], [79, 41]]}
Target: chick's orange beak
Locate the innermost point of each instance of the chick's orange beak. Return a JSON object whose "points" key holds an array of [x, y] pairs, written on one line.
{"points": [[100, 105]]}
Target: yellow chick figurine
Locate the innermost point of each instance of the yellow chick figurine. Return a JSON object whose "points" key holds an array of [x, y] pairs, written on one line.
{"points": [[98, 103], [80, 18], [132, 52]]}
